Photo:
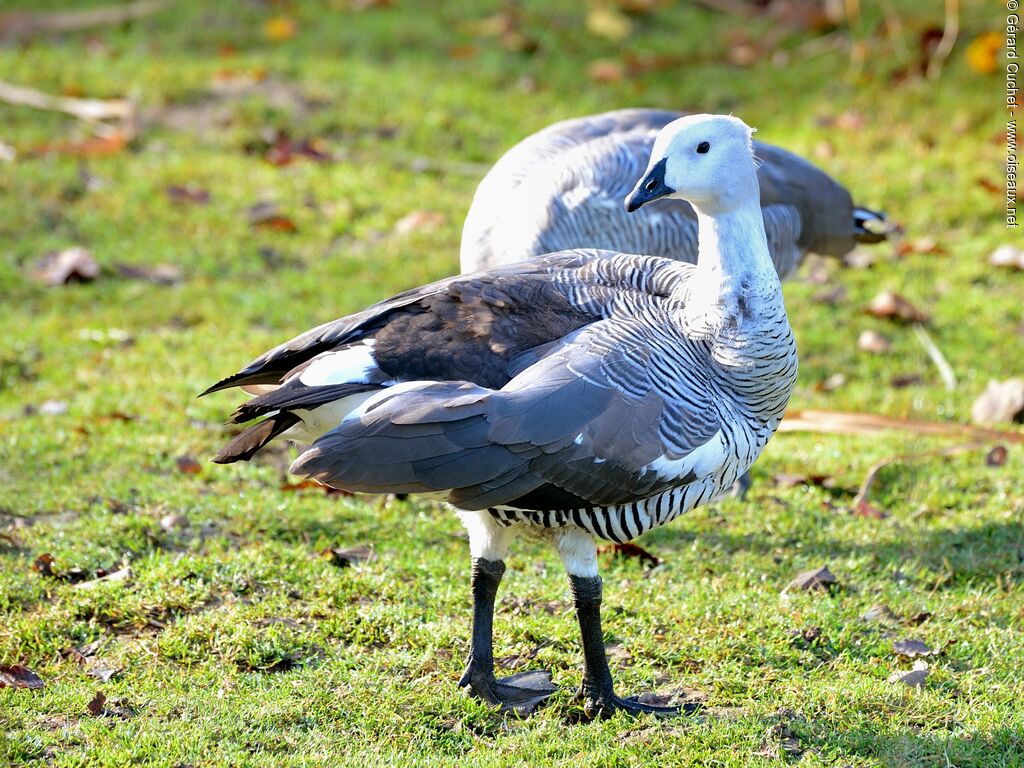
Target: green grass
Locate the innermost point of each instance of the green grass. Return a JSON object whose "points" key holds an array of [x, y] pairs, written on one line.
{"points": [[238, 644]]}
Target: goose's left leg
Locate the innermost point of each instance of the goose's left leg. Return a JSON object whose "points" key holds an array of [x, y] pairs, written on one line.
{"points": [[579, 554], [523, 692]]}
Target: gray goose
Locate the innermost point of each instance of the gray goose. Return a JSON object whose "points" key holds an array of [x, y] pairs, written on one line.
{"points": [[562, 188], [583, 395]]}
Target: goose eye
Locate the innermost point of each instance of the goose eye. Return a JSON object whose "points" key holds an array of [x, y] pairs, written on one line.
{"points": [[650, 185], [703, 147]]}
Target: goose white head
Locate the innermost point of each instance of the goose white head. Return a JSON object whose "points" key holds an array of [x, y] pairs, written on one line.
{"points": [[707, 160]]}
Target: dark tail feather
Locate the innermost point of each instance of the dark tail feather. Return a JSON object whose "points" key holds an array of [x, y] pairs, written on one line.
{"points": [[870, 226], [296, 395], [245, 445]]}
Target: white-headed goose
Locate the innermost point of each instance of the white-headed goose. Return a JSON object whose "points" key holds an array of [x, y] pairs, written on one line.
{"points": [[584, 394]]}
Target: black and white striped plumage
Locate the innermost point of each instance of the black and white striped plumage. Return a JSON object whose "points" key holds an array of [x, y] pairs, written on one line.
{"points": [[586, 394], [563, 187]]}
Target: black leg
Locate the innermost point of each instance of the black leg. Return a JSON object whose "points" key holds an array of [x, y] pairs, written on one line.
{"points": [[522, 693], [597, 691]]}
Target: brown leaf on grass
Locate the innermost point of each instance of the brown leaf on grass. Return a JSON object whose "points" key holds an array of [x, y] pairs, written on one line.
{"points": [[463, 52], [815, 579], [279, 29], [873, 342], [831, 296], [43, 565], [18, 676], [832, 383], [631, 550], [990, 186], [309, 484], [1007, 257], [100, 706], [881, 613], [345, 558], [997, 456], [920, 245], [73, 265], [188, 466], [892, 306], [267, 215], [160, 274], [188, 193], [914, 678], [606, 71], [1002, 401], [10, 541], [608, 22], [982, 52], [103, 674], [912, 649], [282, 149], [903, 380], [94, 146], [416, 221], [784, 480]]}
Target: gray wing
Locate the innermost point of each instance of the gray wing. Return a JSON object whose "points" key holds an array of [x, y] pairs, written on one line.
{"points": [[563, 187], [584, 426], [483, 329]]}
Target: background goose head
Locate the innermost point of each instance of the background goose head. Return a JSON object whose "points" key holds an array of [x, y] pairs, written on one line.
{"points": [[707, 160]]}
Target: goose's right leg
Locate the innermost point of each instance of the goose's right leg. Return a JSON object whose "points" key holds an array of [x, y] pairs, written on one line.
{"points": [[523, 692]]}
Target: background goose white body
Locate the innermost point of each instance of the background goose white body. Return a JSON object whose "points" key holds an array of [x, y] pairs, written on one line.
{"points": [[563, 188]]}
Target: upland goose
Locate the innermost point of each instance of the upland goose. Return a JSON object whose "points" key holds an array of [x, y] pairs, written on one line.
{"points": [[563, 186], [582, 395]]}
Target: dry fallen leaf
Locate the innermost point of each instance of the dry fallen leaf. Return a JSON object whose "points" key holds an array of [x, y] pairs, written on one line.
{"points": [[117, 577], [1008, 256], [161, 274], [187, 465], [982, 51], [913, 679], [997, 456], [913, 649], [631, 550], [863, 508], [783, 480], [892, 306], [608, 22], [43, 564], [17, 676], [881, 613], [188, 193], [873, 342], [902, 380], [818, 578], [95, 146], [1000, 402], [267, 215], [344, 558], [67, 266], [419, 220], [833, 382], [280, 28], [920, 245], [606, 71]]}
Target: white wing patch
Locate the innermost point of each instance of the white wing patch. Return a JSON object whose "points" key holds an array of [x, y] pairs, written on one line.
{"points": [[351, 365], [702, 461]]}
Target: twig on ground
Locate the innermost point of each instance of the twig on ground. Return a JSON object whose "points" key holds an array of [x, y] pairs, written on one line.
{"points": [[840, 423], [950, 31], [21, 25], [945, 369], [90, 110], [865, 488]]}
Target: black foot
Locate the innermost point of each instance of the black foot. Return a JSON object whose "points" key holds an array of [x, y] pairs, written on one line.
{"points": [[606, 706], [522, 693]]}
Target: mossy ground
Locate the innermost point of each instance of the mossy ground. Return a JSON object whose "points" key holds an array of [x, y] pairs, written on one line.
{"points": [[238, 644]]}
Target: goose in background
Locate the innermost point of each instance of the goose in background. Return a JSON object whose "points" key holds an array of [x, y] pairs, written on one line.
{"points": [[563, 187], [582, 395]]}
